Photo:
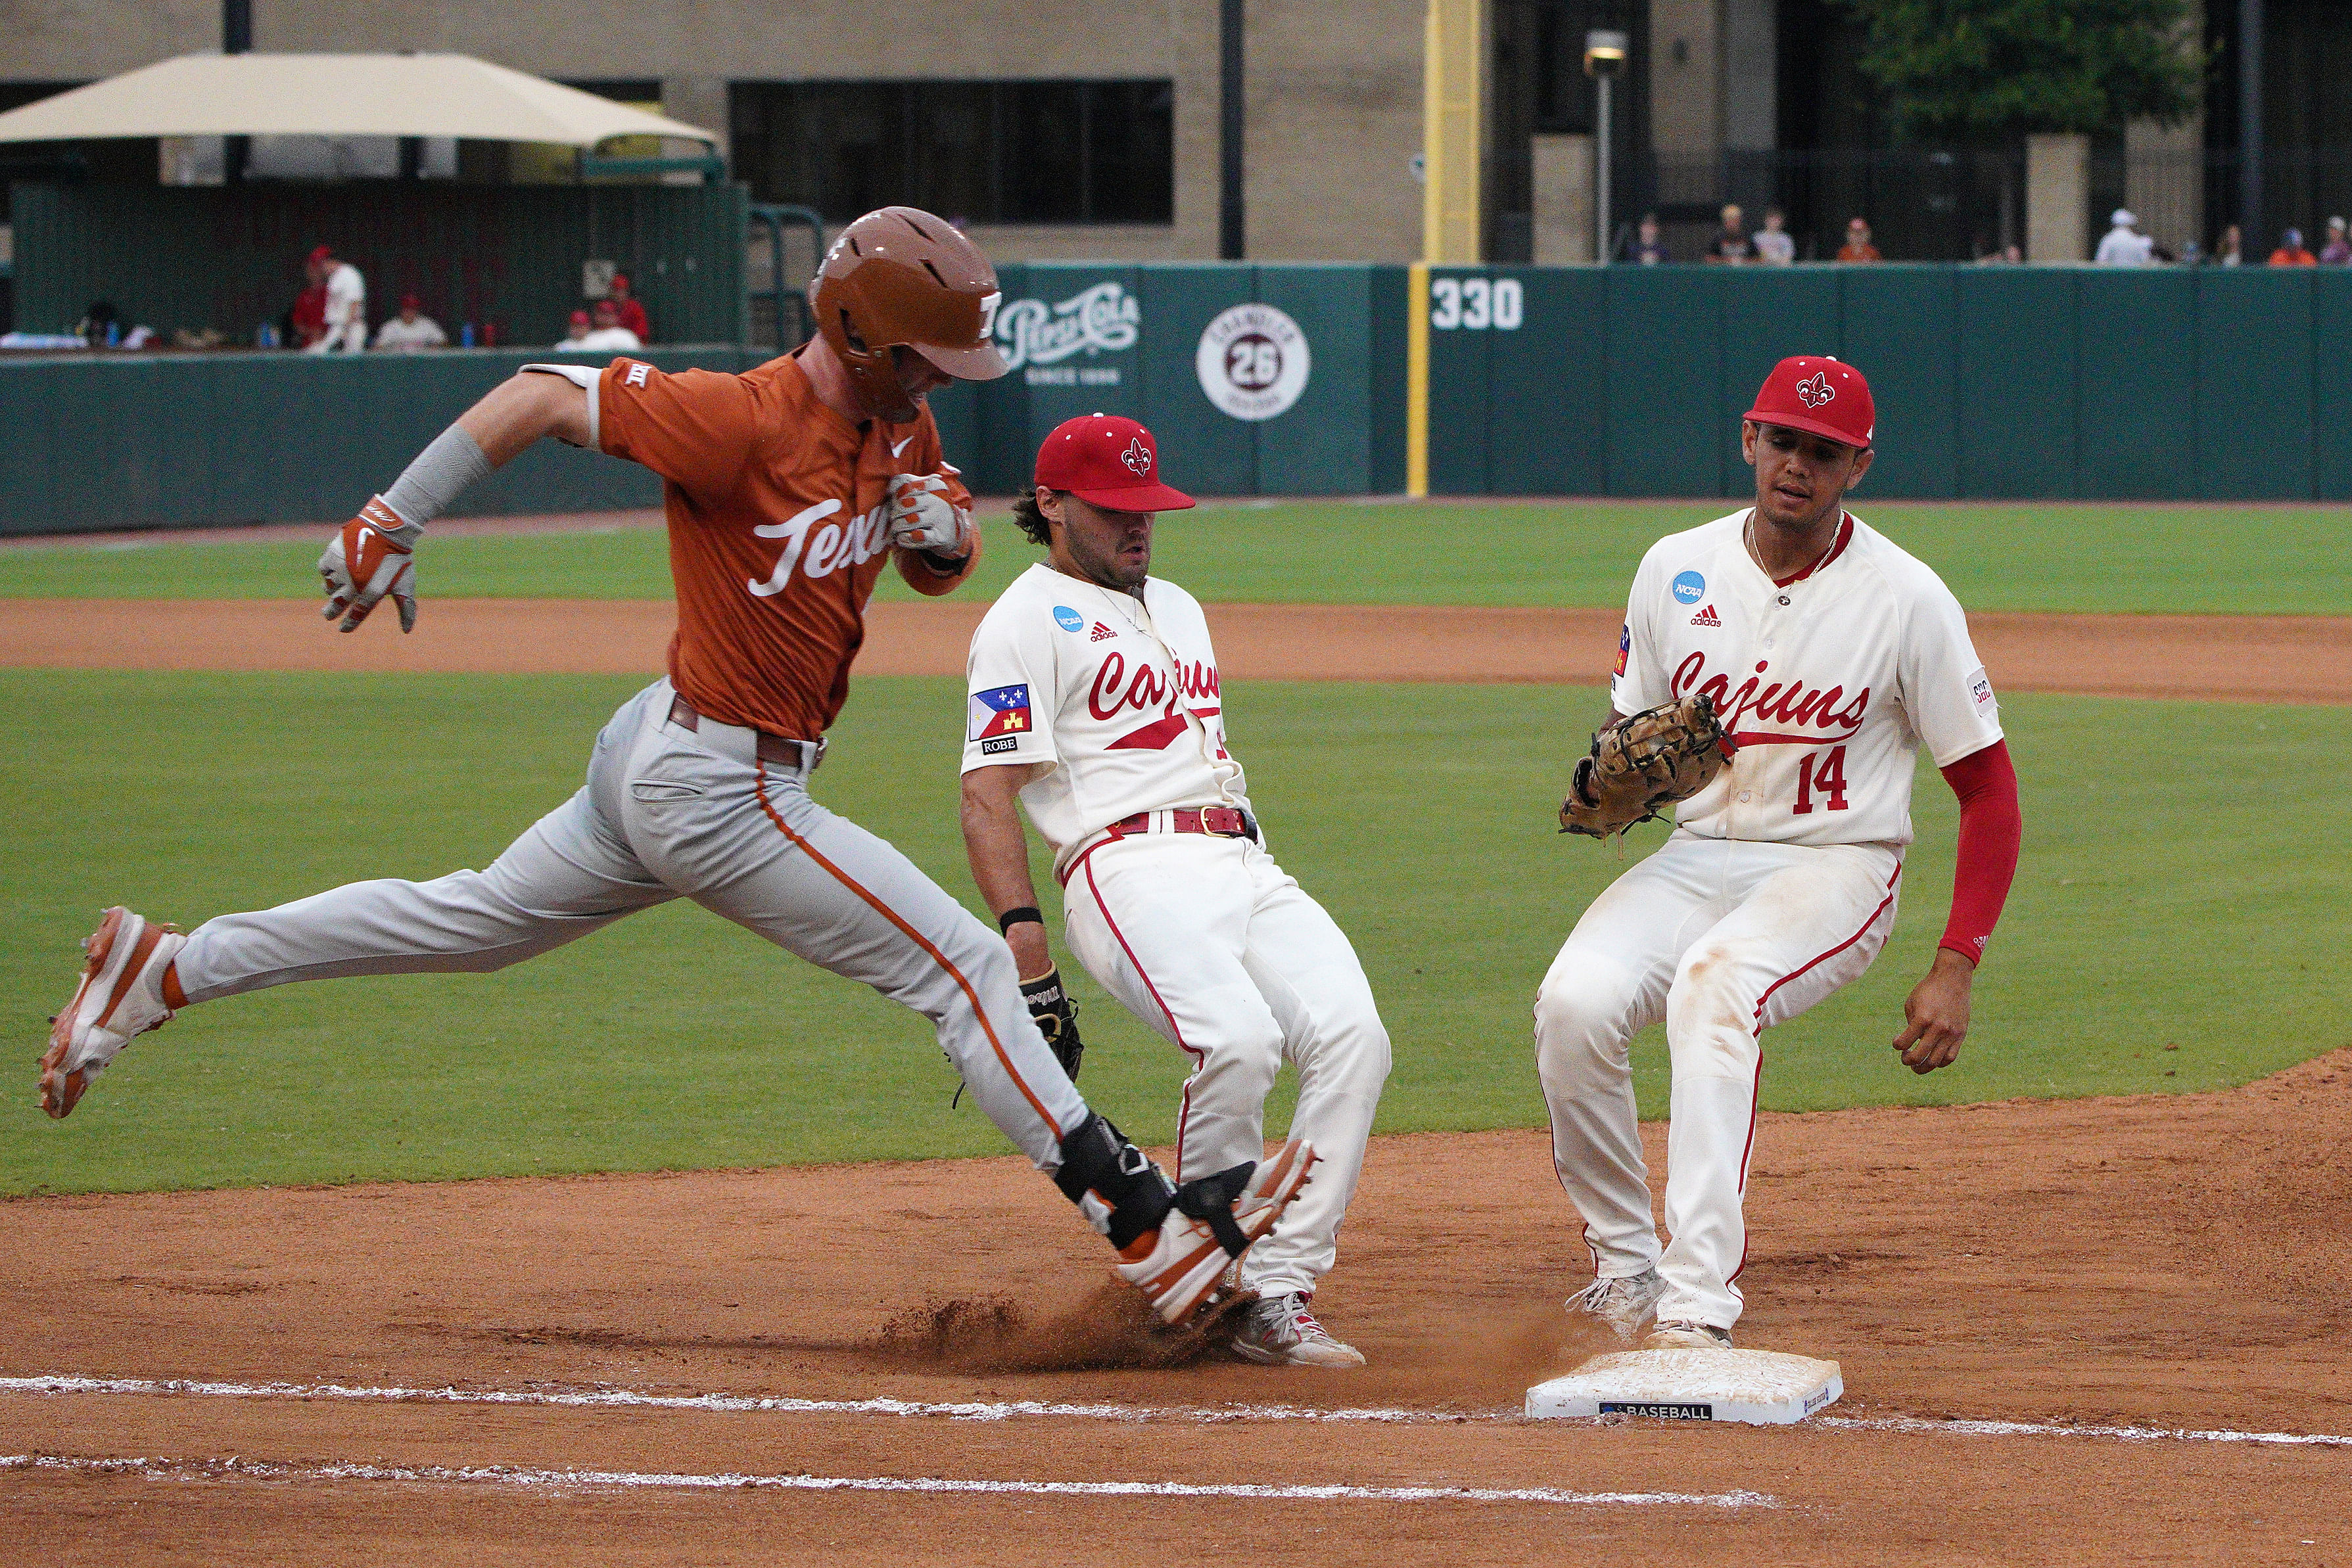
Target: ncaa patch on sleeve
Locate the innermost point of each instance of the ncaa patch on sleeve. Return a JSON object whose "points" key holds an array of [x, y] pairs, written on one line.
{"points": [[1067, 619], [1003, 711]]}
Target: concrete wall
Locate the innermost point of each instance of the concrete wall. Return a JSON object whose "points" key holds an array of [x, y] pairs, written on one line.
{"points": [[1334, 94], [2057, 198], [1563, 200]]}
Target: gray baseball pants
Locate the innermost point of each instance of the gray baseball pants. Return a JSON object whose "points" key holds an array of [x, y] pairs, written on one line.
{"points": [[669, 812]]}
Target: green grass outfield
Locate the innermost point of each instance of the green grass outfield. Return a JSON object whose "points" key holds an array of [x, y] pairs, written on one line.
{"points": [[2142, 918], [2160, 558]]}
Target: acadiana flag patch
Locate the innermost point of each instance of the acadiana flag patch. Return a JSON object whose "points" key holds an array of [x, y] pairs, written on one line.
{"points": [[1004, 711], [1624, 645]]}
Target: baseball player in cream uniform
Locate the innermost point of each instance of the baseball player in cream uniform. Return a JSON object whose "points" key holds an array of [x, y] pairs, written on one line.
{"points": [[1831, 658], [1095, 699]]}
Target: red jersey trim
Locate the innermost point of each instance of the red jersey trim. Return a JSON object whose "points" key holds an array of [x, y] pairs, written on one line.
{"points": [[1837, 548]]}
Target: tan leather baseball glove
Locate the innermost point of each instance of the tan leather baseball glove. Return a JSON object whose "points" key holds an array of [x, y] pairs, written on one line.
{"points": [[1655, 757]]}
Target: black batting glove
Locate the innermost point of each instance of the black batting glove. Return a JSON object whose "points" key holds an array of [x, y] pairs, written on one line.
{"points": [[1057, 1019]]}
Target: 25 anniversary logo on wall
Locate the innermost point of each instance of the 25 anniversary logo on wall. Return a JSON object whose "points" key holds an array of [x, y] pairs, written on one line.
{"points": [[1252, 362]]}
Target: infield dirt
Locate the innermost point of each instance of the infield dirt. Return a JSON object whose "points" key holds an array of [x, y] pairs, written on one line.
{"points": [[2152, 1262], [2241, 658]]}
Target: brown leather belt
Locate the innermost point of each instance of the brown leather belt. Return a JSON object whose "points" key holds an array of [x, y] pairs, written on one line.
{"points": [[1217, 821], [780, 749]]}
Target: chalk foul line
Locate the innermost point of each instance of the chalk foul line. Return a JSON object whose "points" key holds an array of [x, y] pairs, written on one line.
{"points": [[567, 1480], [1001, 1410]]}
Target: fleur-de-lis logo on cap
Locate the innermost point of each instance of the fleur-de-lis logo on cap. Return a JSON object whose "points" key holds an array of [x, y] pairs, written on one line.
{"points": [[1816, 389], [1137, 457]]}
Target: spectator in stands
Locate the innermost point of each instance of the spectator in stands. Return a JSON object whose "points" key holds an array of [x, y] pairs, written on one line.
{"points": [[1729, 246], [2291, 253], [2229, 250], [1645, 246], [600, 333], [346, 303], [2338, 251], [2006, 256], [2124, 245], [1857, 246], [632, 312], [412, 329], [1775, 246], [306, 323]]}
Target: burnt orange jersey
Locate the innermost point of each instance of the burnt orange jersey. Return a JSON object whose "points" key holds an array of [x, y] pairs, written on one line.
{"points": [[779, 528]]}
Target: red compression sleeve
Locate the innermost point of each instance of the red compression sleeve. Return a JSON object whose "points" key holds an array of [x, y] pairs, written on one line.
{"points": [[1991, 827]]}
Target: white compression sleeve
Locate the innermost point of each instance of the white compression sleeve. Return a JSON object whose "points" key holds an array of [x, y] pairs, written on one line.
{"points": [[440, 473]]}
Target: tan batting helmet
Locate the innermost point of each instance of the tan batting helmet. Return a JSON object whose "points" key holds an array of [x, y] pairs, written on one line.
{"points": [[900, 277]]}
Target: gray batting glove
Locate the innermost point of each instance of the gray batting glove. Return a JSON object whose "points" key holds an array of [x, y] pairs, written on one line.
{"points": [[923, 518], [373, 555]]}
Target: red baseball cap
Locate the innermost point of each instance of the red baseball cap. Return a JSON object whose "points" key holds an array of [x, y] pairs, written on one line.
{"points": [[323, 253], [1819, 395], [1109, 462]]}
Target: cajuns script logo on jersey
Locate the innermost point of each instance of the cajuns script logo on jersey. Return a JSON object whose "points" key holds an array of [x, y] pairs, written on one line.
{"points": [[1790, 708], [1816, 389], [1116, 690], [998, 718], [818, 547]]}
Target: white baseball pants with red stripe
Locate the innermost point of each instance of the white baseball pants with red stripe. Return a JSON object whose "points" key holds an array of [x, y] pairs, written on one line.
{"points": [[669, 812], [1210, 943], [1720, 938]]}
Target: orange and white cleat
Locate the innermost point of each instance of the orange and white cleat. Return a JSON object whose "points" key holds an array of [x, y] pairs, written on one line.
{"points": [[1181, 1266], [120, 995]]}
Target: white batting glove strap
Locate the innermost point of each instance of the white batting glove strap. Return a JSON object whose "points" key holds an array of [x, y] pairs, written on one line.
{"points": [[381, 548], [923, 518]]}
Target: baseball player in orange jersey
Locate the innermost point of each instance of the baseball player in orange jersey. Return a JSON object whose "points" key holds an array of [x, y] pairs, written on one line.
{"points": [[787, 488], [1831, 657]]}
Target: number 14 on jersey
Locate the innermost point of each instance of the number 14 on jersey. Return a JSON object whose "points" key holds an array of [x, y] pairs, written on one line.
{"points": [[1824, 772]]}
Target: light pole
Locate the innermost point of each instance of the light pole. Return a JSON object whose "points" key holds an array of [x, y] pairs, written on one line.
{"points": [[1604, 58]]}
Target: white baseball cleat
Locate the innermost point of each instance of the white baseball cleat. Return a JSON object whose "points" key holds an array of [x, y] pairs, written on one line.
{"points": [[1214, 1221], [120, 995], [1279, 1330], [1681, 1336], [1625, 1303]]}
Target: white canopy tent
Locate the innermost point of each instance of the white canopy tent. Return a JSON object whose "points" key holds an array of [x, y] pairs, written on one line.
{"points": [[336, 95]]}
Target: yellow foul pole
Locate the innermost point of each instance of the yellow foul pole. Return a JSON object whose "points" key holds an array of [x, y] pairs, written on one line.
{"points": [[1453, 135], [1454, 119]]}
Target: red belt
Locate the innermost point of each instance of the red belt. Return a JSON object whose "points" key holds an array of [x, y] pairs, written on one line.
{"points": [[780, 749], [1218, 821]]}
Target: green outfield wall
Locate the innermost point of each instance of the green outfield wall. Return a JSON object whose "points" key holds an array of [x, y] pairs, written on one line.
{"points": [[2006, 383], [132, 441], [1992, 383]]}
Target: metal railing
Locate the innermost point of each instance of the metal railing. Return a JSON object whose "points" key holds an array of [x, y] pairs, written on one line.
{"points": [[1957, 205], [781, 318]]}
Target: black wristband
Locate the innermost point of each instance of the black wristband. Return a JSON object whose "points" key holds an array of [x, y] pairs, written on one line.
{"points": [[1013, 918]]}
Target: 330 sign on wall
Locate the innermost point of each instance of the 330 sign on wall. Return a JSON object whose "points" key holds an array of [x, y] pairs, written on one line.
{"points": [[1477, 304]]}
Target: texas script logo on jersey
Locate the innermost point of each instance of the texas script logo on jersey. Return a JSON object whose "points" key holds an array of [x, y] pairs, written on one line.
{"points": [[1003, 711], [1114, 690], [1816, 389], [820, 551], [1137, 457], [1788, 706]]}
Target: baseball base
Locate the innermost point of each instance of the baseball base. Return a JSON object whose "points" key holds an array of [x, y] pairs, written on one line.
{"points": [[1761, 1387]]}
